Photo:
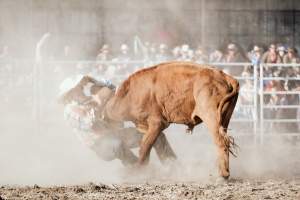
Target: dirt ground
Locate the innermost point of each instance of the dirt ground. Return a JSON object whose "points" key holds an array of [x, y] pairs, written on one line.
{"points": [[56, 157], [233, 189]]}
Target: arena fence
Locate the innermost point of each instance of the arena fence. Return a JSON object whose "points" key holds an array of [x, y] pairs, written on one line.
{"points": [[279, 117], [244, 121], [251, 116]]}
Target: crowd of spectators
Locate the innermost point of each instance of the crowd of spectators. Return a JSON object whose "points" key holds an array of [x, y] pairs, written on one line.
{"points": [[228, 54], [113, 63]]}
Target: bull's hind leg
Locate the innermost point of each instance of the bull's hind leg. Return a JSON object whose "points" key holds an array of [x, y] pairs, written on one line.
{"points": [[154, 129], [210, 119], [227, 111]]}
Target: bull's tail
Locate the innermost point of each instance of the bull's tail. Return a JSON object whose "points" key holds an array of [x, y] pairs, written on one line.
{"points": [[228, 140]]}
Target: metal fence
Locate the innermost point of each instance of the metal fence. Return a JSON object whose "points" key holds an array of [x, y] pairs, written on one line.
{"points": [[251, 118], [245, 121], [279, 117]]}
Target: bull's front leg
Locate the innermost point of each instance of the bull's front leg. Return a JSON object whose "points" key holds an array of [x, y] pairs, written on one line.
{"points": [[154, 129], [163, 149]]}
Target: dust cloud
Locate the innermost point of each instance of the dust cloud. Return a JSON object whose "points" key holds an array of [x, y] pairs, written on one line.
{"points": [[54, 155]]}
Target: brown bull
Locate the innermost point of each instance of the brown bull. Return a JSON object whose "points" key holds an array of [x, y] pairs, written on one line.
{"points": [[109, 140], [177, 92]]}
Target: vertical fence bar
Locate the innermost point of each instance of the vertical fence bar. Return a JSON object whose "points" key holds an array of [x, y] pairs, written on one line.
{"points": [[255, 124], [36, 96], [261, 100]]}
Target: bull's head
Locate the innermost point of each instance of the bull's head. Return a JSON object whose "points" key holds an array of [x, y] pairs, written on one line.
{"points": [[77, 92], [88, 90]]}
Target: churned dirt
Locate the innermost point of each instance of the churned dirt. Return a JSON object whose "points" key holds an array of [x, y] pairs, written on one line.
{"points": [[233, 189]]}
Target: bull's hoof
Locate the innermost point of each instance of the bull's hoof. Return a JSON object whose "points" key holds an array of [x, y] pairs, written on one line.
{"points": [[222, 180], [189, 131]]}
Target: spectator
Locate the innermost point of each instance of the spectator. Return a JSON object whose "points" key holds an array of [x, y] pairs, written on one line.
{"points": [[247, 95], [162, 55], [152, 52], [185, 54], [271, 56], [244, 109], [272, 99], [176, 53], [200, 55], [232, 54], [122, 59], [281, 53], [104, 53], [124, 54], [191, 55], [103, 56], [216, 56], [255, 55], [291, 56], [288, 113]]}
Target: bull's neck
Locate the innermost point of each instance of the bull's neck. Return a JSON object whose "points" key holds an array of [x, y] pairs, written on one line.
{"points": [[108, 109]]}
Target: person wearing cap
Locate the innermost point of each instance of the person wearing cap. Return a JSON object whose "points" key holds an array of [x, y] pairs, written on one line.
{"points": [[122, 60], [271, 56], [255, 55], [176, 53], [281, 53], [232, 55], [162, 55], [103, 56], [200, 55], [291, 56], [185, 53], [245, 98], [124, 54], [104, 53]]}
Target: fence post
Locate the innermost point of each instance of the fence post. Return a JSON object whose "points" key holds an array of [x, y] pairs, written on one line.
{"points": [[255, 79], [261, 100], [36, 97]]}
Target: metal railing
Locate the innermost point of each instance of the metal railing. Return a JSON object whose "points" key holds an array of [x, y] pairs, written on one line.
{"points": [[244, 114], [278, 93], [252, 113], [240, 121]]}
